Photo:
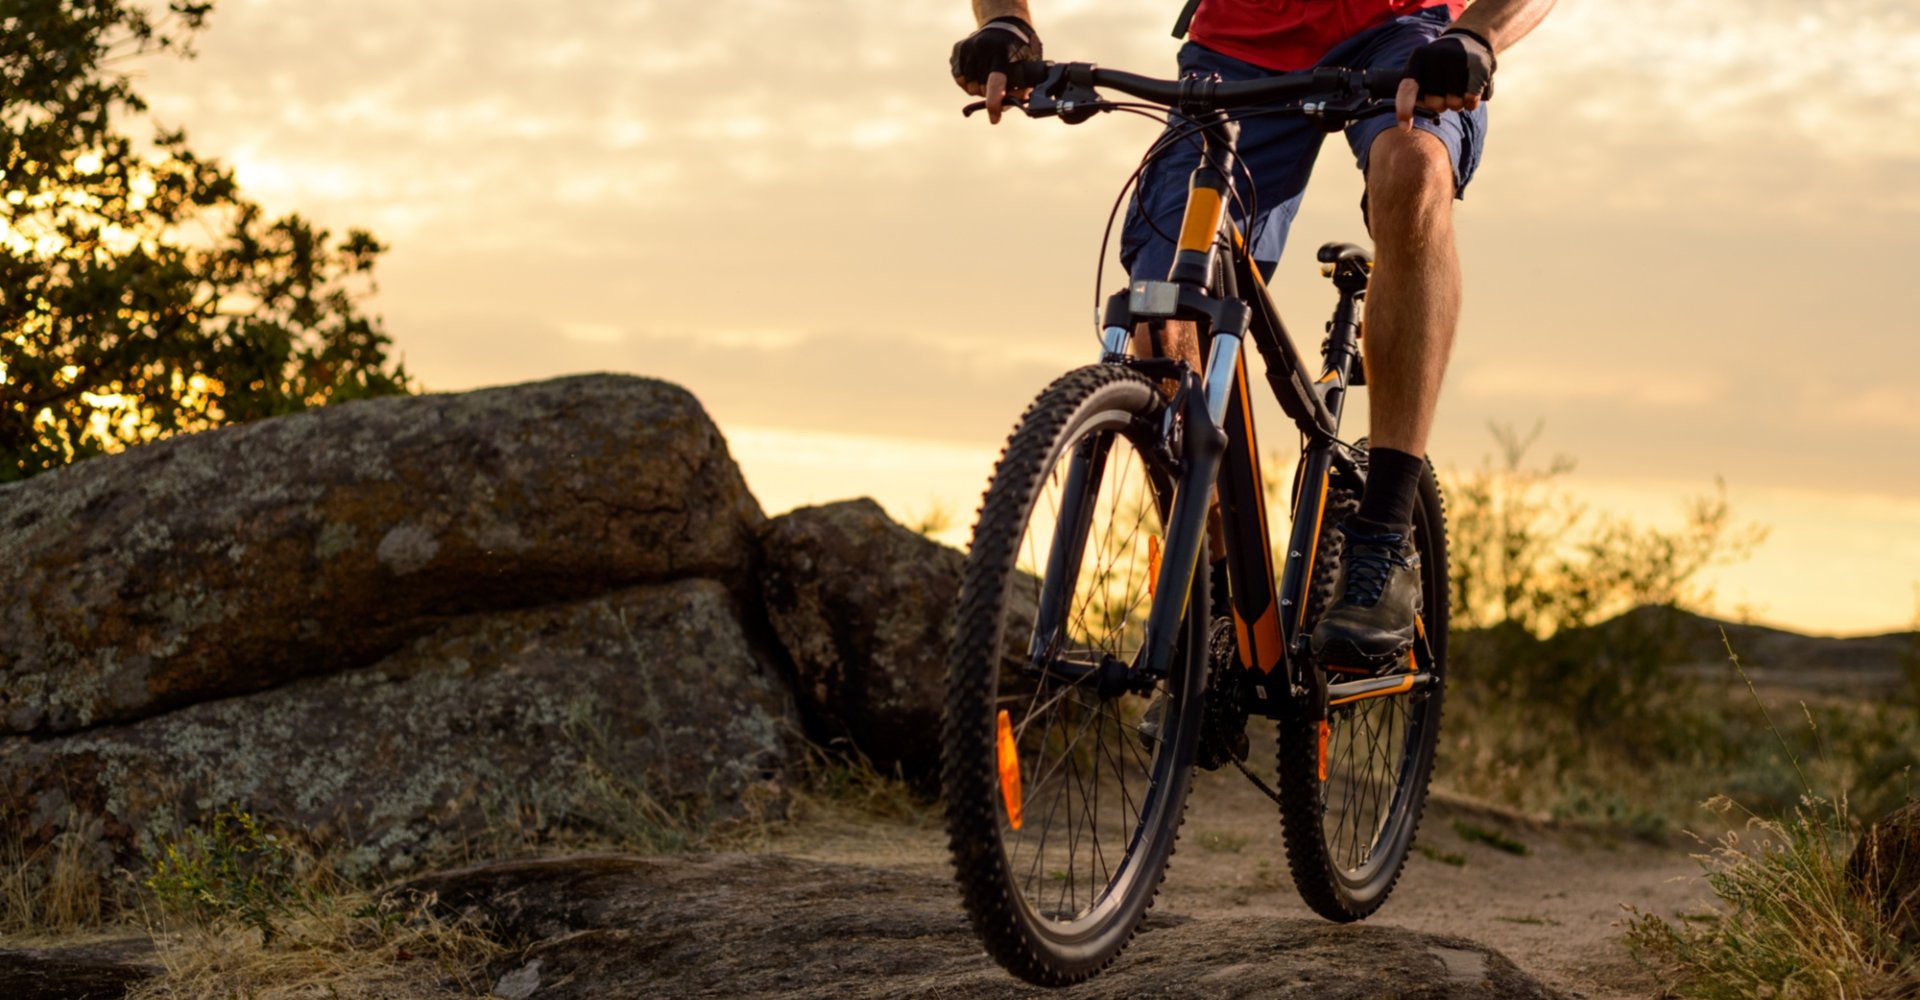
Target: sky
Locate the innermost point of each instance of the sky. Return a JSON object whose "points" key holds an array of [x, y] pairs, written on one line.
{"points": [[1689, 252]]}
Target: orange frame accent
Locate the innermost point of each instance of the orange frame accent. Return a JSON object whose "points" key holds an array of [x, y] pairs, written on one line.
{"points": [[1205, 208]]}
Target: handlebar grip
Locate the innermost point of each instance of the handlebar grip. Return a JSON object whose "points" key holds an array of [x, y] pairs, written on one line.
{"points": [[1384, 82]]}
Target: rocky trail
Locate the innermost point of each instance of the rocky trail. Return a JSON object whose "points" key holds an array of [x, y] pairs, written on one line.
{"points": [[851, 906], [1228, 922]]}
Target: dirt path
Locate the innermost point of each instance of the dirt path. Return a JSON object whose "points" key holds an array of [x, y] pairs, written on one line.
{"points": [[1555, 911]]}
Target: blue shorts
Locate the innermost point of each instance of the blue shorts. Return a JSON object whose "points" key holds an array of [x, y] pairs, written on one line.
{"points": [[1278, 151]]}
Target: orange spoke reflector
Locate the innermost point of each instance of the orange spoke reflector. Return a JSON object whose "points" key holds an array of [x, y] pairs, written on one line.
{"points": [[1010, 768], [1153, 562], [1325, 731]]}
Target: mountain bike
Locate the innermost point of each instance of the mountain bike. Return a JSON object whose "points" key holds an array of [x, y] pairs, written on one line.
{"points": [[1093, 667]]}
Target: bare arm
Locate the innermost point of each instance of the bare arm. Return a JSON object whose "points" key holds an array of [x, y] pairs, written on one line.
{"points": [[1500, 22], [987, 10]]}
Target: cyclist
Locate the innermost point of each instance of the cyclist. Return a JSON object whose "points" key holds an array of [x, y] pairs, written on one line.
{"points": [[1414, 164]]}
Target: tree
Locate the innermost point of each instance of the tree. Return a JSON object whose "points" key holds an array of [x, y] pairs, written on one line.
{"points": [[141, 294]]}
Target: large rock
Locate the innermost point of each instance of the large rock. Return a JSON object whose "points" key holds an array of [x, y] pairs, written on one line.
{"points": [[771, 926], [863, 607], [1885, 870], [99, 970], [591, 713], [226, 562]]}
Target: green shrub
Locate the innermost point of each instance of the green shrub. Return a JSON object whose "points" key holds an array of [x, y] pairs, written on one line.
{"points": [[230, 870]]}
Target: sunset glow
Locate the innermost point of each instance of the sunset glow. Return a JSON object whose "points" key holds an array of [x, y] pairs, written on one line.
{"points": [[1687, 251]]}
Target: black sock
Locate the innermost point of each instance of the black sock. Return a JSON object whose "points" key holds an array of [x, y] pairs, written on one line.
{"points": [[1392, 479]]}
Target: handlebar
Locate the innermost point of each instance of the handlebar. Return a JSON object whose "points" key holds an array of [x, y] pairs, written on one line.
{"points": [[1222, 96], [1067, 89]]}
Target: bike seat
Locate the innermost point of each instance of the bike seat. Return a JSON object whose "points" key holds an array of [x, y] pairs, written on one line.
{"points": [[1340, 253]]}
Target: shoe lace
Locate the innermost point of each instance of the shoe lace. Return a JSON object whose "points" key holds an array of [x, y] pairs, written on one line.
{"points": [[1370, 560]]}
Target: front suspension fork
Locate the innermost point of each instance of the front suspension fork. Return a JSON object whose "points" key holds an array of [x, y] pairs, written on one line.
{"points": [[1204, 441]]}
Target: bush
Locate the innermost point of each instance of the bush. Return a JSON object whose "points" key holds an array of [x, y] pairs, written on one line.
{"points": [[1525, 554], [231, 870], [1566, 628]]}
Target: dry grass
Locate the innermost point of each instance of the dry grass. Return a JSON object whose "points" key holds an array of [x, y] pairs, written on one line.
{"points": [[839, 780], [237, 908], [343, 946], [61, 888], [1793, 928], [1794, 925]]}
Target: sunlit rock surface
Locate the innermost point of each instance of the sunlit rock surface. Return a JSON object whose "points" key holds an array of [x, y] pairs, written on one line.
{"points": [[228, 562]]}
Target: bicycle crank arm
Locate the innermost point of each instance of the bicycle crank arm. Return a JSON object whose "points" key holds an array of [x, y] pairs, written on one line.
{"points": [[1376, 687]]}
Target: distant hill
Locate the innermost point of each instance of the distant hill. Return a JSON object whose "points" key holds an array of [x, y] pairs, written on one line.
{"points": [[1865, 665]]}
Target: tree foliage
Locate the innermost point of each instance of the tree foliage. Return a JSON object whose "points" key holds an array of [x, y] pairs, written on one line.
{"points": [[141, 294]]}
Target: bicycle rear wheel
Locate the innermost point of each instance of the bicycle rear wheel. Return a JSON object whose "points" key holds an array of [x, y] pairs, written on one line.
{"points": [[1064, 798], [1354, 775]]}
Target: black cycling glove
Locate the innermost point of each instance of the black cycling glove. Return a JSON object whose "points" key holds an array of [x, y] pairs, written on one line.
{"points": [[1458, 62], [998, 44]]}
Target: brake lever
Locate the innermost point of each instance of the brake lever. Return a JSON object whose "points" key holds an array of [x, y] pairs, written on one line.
{"points": [[1079, 112], [1009, 104]]}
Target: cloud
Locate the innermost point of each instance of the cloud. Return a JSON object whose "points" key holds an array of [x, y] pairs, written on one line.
{"points": [[1526, 381], [1686, 207]]}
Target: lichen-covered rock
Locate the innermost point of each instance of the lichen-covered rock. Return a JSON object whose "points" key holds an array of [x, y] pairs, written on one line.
{"points": [[1885, 870], [227, 562], [592, 713], [864, 607]]}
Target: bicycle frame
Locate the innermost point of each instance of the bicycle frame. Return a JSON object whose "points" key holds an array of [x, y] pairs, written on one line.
{"points": [[1213, 281]]}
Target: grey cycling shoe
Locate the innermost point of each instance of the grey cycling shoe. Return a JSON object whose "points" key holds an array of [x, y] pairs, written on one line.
{"points": [[1371, 624]]}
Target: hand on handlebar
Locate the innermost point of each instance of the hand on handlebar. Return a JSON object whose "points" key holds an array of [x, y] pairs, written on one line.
{"points": [[1451, 73], [981, 60]]}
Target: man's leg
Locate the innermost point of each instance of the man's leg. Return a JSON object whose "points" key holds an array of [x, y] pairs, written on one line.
{"points": [[1413, 299], [1413, 303]]}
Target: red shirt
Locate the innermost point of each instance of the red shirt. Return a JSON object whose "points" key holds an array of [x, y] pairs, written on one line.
{"points": [[1287, 35]]}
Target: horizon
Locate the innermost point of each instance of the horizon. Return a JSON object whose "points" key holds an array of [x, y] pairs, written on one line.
{"points": [[1715, 267]]}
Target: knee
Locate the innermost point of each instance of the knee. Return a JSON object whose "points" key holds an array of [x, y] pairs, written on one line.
{"points": [[1409, 180]]}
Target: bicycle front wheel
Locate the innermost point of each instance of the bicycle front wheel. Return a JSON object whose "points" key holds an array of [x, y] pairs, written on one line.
{"points": [[1354, 772], [1065, 765]]}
